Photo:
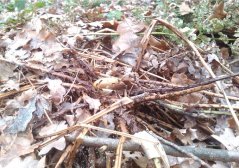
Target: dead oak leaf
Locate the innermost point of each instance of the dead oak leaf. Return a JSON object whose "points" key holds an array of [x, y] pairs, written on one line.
{"points": [[228, 139], [57, 91], [60, 143], [185, 9], [7, 70], [218, 11], [93, 103]]}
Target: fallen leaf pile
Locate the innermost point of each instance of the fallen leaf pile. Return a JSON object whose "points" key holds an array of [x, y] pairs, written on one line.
{"points": [[62, 81]]}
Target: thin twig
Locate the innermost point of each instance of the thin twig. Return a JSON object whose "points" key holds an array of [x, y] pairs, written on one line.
{"points": [[144, 43], [175, 85], [119, 150], [203, 105], [193, 113]]}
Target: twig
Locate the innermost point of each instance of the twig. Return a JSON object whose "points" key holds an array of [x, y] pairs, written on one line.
{"points": [[234, 61], [116, 105], [144, 43], [131, 136], [154, 75], [12, 92], [71, 85], [193, 113], [203, 105], [166, 90], [63, 156], [203, 153], [47, 116], [119, 150], [174, 85], [173, 94], [73, 151]]}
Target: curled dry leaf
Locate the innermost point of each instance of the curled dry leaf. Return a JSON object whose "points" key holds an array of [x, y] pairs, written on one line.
{"points": [[79, 116], [218, 11], [57, 91], [159, 44], [138, 158], [152, 150], [127, 40], [128, 25], [58, 144], [82, 114], [228, 139], [112, 24], [26, 96], [112, 83], [106, 122]]}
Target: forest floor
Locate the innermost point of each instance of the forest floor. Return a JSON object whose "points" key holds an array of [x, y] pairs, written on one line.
{"points": [[98, 83]]}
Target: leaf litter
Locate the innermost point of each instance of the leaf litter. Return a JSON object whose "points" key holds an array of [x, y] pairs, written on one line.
{"points": [[63, 79]]}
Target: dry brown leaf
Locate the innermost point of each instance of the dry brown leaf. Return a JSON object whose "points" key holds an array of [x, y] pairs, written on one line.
{"points": [[81, 114], [128, 25], [193, 98], [225, 53], [106, 122], [94, 104], [218, 11], [159, 44], [26, 96], [33, 42], [112, 83], [6, 70], [126, 41], [228, 139], [185, 9], [113, 24], [13, 146], [59, 144], [182, 79], [57, 91]]}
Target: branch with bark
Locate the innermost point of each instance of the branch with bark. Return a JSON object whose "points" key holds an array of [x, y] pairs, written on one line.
{"points": [[203, 153]]}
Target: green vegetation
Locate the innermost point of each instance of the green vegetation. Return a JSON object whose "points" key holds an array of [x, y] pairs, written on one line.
{"points": [[195, 24], [19, 11], [115, 14]]}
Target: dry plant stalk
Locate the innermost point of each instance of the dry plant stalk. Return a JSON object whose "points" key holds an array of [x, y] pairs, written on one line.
{"points": [[119, 150]]}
